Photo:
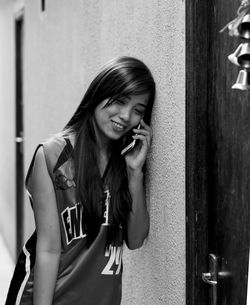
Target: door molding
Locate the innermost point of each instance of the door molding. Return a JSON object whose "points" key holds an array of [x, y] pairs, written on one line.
{"points": [[197, 40], [18, 26]]}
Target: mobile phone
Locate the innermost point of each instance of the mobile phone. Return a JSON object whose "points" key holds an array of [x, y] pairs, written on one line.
{"points": [[130, 146]]}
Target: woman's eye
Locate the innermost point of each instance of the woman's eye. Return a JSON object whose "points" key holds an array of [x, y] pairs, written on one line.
{"points": [[138, 111], [121, 102]]}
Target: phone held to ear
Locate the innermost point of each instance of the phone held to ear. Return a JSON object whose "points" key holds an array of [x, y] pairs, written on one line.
{"points": [[130, 146]]}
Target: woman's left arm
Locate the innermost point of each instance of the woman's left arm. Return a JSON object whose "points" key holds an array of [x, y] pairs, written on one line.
{"points": [[138, 221]]}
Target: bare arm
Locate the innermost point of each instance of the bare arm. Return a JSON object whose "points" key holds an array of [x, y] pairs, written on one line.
{"points": [[138, 222], [48, 246]]}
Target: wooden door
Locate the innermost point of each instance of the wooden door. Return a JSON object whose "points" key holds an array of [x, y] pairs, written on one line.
{"points": [[218, 157]]}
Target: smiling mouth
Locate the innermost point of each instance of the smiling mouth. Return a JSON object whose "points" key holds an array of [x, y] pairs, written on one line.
{"points": [[119, 126]]}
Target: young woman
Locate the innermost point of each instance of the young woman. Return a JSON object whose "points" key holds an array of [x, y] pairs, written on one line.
{"points": [[87, 197]]}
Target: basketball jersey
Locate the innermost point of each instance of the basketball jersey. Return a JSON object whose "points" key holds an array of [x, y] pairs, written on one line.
{"points": [[88, 274]]}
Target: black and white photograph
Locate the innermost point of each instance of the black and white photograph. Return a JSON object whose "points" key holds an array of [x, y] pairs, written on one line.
{"points": [[125, 152]]}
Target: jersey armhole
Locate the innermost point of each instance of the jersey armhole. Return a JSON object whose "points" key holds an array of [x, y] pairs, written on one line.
{"points": [[48, 148], [31, 166]]}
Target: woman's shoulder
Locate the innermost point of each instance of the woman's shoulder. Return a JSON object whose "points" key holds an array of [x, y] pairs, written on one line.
{"points": [[58, 142], [58, 148]]}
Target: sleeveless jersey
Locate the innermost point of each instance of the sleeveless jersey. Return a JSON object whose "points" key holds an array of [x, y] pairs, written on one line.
{"points": [[88, 274]]}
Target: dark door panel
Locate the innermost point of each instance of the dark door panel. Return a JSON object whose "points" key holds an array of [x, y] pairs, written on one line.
{"points": [[218, 163]]}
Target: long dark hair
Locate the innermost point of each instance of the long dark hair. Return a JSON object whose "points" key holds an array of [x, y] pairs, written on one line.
{"points": [[122, 76]]}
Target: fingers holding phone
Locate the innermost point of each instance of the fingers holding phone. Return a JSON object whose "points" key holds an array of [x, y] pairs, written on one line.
{"points": [[136, 152], [131, 145], [143, 131]]}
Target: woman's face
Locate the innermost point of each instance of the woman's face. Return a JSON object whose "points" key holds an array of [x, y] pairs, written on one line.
{"points": [[114, 121]]}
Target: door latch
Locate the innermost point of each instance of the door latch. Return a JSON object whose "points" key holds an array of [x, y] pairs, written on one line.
{"points": [[207, 277], [19, 139], [211, 278]]}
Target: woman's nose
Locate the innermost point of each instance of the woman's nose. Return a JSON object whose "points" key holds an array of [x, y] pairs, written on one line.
{"points": [[125, 114]]}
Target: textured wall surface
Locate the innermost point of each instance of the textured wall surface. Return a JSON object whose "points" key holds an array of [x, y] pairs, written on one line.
{"points": [[64, 49], [7, 125]]}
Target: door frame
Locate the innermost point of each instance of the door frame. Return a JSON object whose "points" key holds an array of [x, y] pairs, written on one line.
{"points": [[197, 175], [19, 185]]}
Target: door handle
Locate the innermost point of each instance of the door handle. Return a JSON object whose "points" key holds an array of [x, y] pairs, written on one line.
{"points": [[19, 144], [211, 278], [208, 278]]}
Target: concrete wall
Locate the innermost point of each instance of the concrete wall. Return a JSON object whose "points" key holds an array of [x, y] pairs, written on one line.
{"points": [[7, 124], [64, 49]]}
